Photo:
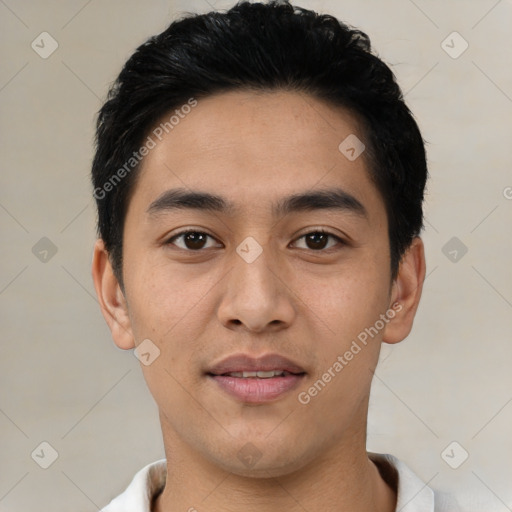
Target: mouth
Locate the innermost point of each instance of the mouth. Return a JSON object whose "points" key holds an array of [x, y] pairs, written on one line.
{"points": [[256, 380], [260, 374]]}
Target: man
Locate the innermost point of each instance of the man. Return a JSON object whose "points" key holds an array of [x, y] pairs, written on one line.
{"points": [[259, 183]]}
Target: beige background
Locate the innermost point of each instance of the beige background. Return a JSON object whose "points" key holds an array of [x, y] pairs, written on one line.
{"points": [[61, 378]]}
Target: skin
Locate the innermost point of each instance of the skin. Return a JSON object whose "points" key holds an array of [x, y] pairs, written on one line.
{"points": [[307, 304]]}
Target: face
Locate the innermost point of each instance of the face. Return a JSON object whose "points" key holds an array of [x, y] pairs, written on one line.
{"points": [[253, 244]]}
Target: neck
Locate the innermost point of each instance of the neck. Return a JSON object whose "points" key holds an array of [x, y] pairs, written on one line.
{"points": [[344, 479]]}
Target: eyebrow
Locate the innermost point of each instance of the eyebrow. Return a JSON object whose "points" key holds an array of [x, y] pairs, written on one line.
{"points": [[328, 199]]}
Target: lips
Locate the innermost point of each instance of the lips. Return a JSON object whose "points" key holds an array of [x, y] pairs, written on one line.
{"points": [[244, 363], [259, 374], [256, 380]]}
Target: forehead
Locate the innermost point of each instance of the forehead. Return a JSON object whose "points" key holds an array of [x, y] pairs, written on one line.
{"points": [[254, 148]]}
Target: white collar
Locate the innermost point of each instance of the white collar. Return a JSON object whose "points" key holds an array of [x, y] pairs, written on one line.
{"points": [[413, 495]]}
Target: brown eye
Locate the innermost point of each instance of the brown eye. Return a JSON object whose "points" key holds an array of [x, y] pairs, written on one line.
{"points": [[193, 240], [317, 240]]}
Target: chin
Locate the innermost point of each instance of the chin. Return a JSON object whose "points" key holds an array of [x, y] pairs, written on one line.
{"points": [[259, 458]]}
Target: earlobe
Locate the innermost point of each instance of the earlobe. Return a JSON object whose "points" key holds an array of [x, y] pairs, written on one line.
{"points": [[406, 292], [111, 298]]}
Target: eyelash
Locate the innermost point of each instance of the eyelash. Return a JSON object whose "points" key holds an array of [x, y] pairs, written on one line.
{"points": [[315, 231]]}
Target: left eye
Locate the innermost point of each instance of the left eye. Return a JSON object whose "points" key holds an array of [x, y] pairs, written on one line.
{"points": [[193, 240], [317, 240]]}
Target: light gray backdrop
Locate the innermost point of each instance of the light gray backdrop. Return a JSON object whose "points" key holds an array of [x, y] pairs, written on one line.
{"points": [[63, 382]]}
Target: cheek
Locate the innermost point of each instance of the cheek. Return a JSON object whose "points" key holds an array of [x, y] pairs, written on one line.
{"points": [[346, 302], [164, 300], [345, 309], [171, 311]]}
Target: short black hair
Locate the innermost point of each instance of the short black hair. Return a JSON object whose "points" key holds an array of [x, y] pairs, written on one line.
{"points": [[263, 47]]}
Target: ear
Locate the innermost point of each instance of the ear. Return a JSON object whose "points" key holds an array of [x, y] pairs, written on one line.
{"points": [[111, 298], [406, 293]]}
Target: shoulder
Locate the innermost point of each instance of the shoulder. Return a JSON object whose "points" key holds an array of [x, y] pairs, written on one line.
{"points": [[415, 495], [467, 502], [139, 494]]}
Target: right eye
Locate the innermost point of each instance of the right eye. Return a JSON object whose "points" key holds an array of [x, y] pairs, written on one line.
{"points": [[193, 240]]}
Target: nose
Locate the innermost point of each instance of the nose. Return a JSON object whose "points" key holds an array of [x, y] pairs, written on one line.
{"points": [[256, 297]]}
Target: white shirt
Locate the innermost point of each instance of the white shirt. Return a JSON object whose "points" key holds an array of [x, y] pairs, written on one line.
{"points": [[413, 495]]}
